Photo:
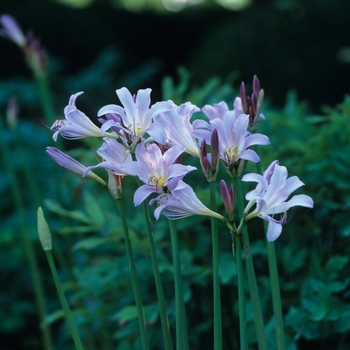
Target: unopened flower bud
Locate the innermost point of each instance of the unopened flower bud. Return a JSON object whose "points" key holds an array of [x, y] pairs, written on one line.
{"points": [[256, 86], [11, 30], [215, 153], [228, 199], [36, 55], [210, 162], [44, 231], [72, 165], [115, 185]]}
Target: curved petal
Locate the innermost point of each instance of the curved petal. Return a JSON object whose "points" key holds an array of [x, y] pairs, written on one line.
{"points": [[251, 155], [112, 108], [257, 139], [143, 100], [177, 170], [142, 193], [273, 230], [128, 103], [172, 154]]}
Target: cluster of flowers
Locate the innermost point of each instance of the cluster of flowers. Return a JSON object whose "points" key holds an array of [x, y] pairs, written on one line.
{"points": [[148, 141]]}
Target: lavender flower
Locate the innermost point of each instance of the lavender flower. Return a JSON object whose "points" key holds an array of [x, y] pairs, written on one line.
{"points": [[114, 155], [77, 125], [173, 127], [155, 169], [270, 195], [234, 139], [132, 121], [180, 203], [70, 164]]}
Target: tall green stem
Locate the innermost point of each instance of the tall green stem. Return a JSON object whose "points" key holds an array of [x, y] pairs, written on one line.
{"points": [[276, 295], [45, 98], [216, 275], [181, 323], [64, 303], [274, 282], [254, 293], [134, 279], [241, 295], [28, 246], [158, 282]]}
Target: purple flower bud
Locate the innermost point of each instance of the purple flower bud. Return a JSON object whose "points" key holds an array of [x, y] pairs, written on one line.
{"points": [[243, 94], [254, 103], [11, 30], [215, 151], [228, 199], [70, 164], [256, 86]]}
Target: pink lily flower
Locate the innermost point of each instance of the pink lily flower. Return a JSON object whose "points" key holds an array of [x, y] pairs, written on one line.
{"points": [[155, 169], [234, 139], [173, 127]]}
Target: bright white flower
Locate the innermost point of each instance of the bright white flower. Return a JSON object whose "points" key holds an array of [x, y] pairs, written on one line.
{"points": [[270, 197]]}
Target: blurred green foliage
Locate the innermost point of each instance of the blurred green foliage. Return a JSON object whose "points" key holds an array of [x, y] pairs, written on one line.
{"points": [[313, 251]]}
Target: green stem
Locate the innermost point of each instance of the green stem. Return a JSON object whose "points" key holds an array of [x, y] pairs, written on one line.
{"points": [[241, 295], [28, 245], [134, 279], [276, 295], [64, 303], [254, 293], [158, 282], [274, 282], [45, 98], [216, 275], [181, 324]]}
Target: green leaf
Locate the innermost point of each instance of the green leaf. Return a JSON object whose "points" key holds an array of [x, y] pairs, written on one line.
{"points": [[343, 325], [94, 210], [54, 316], [129, 313], [77, 215], [334, 265], [68, 230], [90, 243]]}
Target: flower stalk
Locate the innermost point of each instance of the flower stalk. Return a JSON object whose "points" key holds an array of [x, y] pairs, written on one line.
{"points": [[38, 289], [274, 283], [216, 275], [157, 279], [134, 279], [254, 293], [46, 243], [181, 323]]}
